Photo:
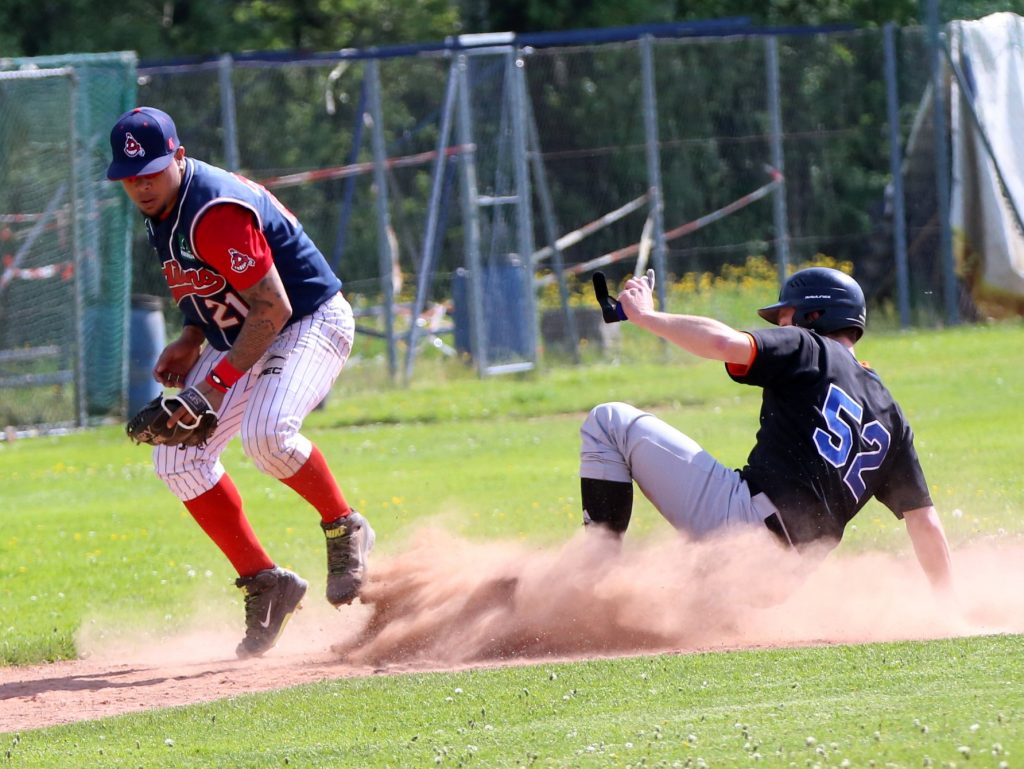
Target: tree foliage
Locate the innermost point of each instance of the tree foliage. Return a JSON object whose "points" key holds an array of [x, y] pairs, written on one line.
{"points": [[544, 15], [160, 29]]}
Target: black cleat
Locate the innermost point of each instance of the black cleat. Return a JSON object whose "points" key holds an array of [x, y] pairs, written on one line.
{"points": [[271, 596], [349, 540]]}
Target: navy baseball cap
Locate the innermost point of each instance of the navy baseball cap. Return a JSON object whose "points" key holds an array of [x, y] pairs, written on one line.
{"points": [[143, 141]]}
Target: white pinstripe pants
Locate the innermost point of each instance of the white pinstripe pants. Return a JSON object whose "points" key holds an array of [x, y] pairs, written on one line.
{"points": [[268, 404]]}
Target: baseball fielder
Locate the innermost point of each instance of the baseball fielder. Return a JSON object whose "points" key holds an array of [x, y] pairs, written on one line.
{"points": [[266, 332], [831, 436]]}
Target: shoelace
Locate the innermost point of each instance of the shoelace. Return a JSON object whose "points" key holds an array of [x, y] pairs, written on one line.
{"points": [[340, 552], [252, 613]]}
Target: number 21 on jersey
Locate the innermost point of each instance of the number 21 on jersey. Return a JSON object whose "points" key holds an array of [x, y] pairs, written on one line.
{"points": [[836, 444], [228, 313]]}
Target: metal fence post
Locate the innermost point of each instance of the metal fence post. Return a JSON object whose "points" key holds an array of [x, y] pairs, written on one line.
{"points": [[345, 208], [380, 180], [942, 165], [521, 173], [471, 220], [76, 258], [547, 209], [433, 209], [779, 213], [653, 155], [225, 67], [899, 229]]}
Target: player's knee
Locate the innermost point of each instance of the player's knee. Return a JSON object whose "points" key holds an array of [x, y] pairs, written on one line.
{"points": [[610, 417], [274, 449], [185, 473], [165, 463], [262, 445]]}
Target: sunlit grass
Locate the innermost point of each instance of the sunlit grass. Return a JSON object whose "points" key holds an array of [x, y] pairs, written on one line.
{"points": [[941, 704], [87, 529], [90, 538]]}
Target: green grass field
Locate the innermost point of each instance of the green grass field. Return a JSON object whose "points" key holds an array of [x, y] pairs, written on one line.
{"points": [[941, 704], [88, 534]]}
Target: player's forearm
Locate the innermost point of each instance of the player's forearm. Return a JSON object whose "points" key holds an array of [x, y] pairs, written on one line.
{"points": [[253, 340], [931, 548], [935, 561], [269, 310], [702, 336], [191, 335]]}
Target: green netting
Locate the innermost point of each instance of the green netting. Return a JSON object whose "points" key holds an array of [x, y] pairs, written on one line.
{"points": [[64, 248]]}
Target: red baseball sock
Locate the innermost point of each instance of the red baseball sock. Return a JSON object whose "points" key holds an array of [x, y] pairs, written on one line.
{"points": [[315, 484], [219, 513]]}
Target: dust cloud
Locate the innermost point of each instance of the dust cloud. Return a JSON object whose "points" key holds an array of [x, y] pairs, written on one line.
{"points": [[446, 603], [446, 600], [213, 628], [443, 601]]}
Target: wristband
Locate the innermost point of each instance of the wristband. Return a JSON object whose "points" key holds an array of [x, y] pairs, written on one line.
{"points": [[223, 376]]}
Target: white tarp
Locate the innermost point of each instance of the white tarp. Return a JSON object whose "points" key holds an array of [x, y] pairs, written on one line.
{"points": [[987, 194]]}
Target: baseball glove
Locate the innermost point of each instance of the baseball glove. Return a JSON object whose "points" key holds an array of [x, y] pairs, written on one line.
{"points": [[150, 424]]}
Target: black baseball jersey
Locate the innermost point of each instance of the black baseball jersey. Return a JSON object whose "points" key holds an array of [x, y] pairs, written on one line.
{"points": [[831, 436]]}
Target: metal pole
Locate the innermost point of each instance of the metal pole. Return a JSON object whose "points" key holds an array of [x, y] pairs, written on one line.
{"points": [[386, 258], [430, 233], [779, 213], [653, 152], [942, 166], [551, 230], [345, 209], [76, 260], [899, 228], [471, 221], [521, 174], [227, 112]]}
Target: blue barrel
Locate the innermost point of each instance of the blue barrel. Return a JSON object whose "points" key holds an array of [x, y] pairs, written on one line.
{"points": [[146, 342], [505, 330]]}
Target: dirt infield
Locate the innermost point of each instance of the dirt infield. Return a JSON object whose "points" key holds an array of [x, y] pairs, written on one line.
{"points": [[446, 604]]}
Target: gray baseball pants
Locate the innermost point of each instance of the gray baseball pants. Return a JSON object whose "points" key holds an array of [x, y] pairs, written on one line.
{"points": [[696, 493]]}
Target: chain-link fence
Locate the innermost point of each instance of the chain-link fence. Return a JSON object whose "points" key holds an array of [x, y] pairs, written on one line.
{"points": [[446, 184], [64, 258], [750, 144], [730, 113]]}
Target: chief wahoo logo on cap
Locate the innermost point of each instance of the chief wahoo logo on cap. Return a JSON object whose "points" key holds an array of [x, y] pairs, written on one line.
{"points": [[132, 148]]}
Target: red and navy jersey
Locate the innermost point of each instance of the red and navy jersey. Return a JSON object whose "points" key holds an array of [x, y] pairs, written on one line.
{"points": [[831, 436], [205, 285]]}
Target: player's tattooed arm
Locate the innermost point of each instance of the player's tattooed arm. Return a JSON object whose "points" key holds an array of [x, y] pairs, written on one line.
{"points": [[269, 310]]}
